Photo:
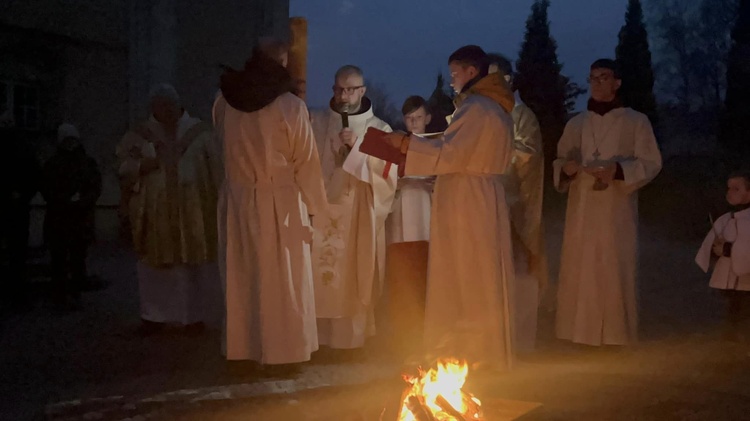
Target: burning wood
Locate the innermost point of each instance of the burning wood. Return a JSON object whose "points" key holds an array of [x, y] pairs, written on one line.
{"points": [[437, 395], [449, 409], [420, 412]]}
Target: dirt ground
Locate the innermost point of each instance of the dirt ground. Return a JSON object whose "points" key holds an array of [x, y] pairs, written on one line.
{"points": [[674, 380], [682, 370]]}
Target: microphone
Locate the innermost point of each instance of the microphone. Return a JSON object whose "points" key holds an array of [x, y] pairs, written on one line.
{"points": [[345, 116]]}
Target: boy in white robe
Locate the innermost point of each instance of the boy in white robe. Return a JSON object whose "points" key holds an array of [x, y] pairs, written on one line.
{"points": [[407, 238], [727, 248]]}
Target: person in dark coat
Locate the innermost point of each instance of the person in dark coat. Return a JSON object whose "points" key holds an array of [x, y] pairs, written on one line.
{"points": [[71, 185]]}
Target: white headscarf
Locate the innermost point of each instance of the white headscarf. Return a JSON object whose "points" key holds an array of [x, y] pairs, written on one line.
{"points": [[67, 130]]}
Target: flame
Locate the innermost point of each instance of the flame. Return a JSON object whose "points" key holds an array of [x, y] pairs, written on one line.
{"points": [[446, 381]]}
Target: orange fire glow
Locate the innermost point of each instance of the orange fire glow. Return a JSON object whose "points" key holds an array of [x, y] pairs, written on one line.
{"points": [[447, 382]]}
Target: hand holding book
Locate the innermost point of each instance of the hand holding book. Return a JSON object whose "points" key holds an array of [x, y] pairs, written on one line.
{"points": [[390, 147], [383, 145]]}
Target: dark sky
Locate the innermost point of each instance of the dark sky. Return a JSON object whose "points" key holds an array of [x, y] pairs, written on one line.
{"points": [[402, 44]]}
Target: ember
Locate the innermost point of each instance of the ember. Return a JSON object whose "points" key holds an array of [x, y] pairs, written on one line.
{"points": [[437, 395]]}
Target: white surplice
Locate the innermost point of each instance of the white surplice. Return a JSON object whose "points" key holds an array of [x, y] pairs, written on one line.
{"points": [[732, 272], [410, 215], [470, 276], [597, 297], [349, 243], [272, 182]]}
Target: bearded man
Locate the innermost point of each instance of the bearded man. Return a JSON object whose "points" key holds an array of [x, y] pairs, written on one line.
{"points": [[349, 242]]}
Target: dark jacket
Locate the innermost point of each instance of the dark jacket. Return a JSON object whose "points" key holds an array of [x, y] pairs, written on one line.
{"points": [[67, 173]]}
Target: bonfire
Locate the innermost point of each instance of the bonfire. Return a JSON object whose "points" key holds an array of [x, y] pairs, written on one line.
{"points": [[437, 395]]}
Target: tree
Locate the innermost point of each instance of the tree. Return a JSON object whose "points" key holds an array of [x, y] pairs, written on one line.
{"points": [[677, 33], [572, 91], [441, 106], [694, 43], [538, 78], [383, 107], [634, 59], [736, 118], [716, 18]]}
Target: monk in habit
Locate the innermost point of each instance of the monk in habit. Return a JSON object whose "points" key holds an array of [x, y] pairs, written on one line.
{"points": [[272, 185], [168, 179], [349, 243], [469, 306], [604, 156], [524, 189]]}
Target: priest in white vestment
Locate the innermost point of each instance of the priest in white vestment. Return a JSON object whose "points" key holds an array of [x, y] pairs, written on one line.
{"points": [[272, 185], [469, 309], [524, 190], [407, 238], [168, 180], [349, 243], [604, 156]]}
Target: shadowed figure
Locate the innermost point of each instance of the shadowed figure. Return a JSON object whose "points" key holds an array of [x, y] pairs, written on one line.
{"points": [[71, 185]]}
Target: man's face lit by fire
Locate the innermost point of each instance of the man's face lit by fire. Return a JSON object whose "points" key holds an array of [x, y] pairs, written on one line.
{"points": [[349, 90], [461, 74]]}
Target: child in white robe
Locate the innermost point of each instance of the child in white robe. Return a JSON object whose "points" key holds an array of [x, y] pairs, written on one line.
{"points": [[727, 249]]}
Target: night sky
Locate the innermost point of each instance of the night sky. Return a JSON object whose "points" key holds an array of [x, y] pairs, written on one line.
{"points": [[402, 44]]}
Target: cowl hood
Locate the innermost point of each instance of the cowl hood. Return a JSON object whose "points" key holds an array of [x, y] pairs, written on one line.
{"points": [[261, 81], [494, 87], [602, 108]]}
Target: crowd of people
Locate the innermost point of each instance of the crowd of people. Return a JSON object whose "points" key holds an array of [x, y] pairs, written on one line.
{"points": [[273, 223], [446, 228]]}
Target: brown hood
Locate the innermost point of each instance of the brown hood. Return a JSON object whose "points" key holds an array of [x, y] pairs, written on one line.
{"points": [[494, 87], [261, 81]]}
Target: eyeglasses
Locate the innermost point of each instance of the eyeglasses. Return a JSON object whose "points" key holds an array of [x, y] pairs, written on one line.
{"points": [[338, 90], [599, 79]]}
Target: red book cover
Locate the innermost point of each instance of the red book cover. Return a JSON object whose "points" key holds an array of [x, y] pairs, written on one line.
{"points": [[374, 144]]}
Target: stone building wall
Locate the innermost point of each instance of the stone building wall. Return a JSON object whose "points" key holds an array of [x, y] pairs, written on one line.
{"points": [[94, 61]]}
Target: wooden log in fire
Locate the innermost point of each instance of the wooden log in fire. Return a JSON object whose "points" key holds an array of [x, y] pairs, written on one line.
{"points": [[472, 407], [418, 409], [449, 409]]}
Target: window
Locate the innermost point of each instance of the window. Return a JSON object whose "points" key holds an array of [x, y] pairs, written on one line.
{"points": [[22, 100]]}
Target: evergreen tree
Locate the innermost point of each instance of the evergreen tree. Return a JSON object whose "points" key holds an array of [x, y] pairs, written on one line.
{"points": [[441, 106], [572, 91], [383, 107], [538, 78], [735, 128], [634, 58]]}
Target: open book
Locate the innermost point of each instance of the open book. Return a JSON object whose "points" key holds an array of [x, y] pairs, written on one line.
{"points": [[374, 144]]}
